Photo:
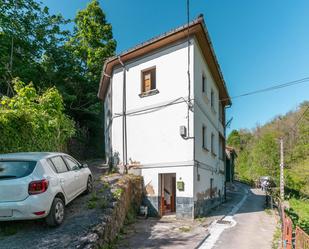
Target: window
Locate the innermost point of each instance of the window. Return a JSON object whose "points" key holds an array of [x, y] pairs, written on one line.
{"points": [[51, 165], [213, 144], [15, 169], [221, 113], [204, 138], [211, 187], [148, 80], [73, 165], [212, 99], [221, 148], [59, 164], [204, 83]]}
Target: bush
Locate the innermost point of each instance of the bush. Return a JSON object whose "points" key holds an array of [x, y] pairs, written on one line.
{"points": [[33, 122]]}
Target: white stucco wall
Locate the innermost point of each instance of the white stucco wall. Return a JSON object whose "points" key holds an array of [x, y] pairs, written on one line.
{"points": [[185, 174], [204, 115], [154, 137]]}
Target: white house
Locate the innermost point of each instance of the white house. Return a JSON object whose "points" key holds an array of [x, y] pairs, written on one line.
{"points": [[164, 104]]}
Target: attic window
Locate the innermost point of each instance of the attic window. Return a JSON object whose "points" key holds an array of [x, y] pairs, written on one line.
{"points": [[148, 82]]}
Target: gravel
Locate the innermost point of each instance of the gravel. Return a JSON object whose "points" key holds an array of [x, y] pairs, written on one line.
{"points": [[80, 218]]}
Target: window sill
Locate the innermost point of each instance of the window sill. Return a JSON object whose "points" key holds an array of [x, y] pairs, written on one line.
{"points": [[213, 154], [205, 149], [149, 93], [206, 99]]}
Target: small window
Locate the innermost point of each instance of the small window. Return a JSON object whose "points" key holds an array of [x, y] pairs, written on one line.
{"points": [[221, 148], [211, 187], [212, 98], [204, 137], [59, 164], [204, 83], [213, 144], [148, 80], [73, 165]]}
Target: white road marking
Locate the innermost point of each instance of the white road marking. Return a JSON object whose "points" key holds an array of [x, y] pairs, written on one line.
{"points": [[216, 229]]}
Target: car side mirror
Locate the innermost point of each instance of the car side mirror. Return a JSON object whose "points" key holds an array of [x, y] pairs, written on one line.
{"points": [[84, 165]]}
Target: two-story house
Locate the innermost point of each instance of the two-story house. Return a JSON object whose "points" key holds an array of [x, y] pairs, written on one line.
{"points": [[164, 103]]}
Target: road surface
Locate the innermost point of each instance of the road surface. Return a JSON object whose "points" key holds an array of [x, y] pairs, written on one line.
{"points": [[250, 228]]}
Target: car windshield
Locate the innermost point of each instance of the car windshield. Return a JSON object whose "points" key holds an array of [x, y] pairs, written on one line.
{"points": [[15, 169]]}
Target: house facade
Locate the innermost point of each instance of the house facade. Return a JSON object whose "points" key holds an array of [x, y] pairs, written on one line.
{"points": [[164, 104]]}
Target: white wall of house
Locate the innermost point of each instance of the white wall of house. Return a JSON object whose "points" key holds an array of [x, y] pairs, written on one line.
{"points": [[185, 174], [205, 115], [154, 138]]}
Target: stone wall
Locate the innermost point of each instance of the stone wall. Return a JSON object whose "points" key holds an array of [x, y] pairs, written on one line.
{"points": [[130, 190], [202, 207]]}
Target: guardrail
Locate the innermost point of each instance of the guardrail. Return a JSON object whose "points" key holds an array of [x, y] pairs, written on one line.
{"points": [[290, 239], [301, 239]]}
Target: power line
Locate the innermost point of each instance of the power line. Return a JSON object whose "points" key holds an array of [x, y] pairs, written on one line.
{"points": [[275, 87]]}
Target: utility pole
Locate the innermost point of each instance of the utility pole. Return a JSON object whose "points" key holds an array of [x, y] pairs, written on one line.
{"points": [[281, 171]]}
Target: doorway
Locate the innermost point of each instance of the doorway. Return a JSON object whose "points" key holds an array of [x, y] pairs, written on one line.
{"points": [[167, 190]]}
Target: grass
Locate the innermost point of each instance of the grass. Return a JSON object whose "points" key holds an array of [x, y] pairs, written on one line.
{"points": [[185, 229], [301, 208], [276, 237], [268, 211], [117, 193], [8, 230]]}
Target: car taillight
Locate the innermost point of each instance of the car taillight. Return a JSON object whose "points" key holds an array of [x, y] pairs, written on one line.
{"points": [[37, 187]]}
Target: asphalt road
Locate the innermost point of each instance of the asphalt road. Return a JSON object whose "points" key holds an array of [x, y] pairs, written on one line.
{"points": [[253, 227]]}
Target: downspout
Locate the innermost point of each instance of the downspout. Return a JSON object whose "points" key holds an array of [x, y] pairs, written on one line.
{"points": [[124, 119]]}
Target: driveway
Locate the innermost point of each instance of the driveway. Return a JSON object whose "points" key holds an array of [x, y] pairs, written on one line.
{"points": [[240, 223], [80, 216]]}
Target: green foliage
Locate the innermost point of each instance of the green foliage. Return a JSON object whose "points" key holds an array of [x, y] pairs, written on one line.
{"points": [[117, 193], [33, 122], [299, 213], [258, 155]]}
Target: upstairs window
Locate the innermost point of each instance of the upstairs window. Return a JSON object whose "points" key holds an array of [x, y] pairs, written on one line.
{"points": [[212, 99], [204, 137], [148, 79], [213, 144], [204, 83]]}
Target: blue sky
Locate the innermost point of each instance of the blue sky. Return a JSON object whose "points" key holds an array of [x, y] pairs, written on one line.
{"points": [[258, 44]]}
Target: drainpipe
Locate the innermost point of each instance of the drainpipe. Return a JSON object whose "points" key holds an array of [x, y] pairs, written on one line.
{"points": [[124, 119]]}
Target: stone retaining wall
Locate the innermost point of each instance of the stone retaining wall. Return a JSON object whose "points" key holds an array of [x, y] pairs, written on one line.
{"points": [[130, 190]]}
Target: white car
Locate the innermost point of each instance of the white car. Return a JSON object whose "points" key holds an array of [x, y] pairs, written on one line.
{"points": [[36, 185]]}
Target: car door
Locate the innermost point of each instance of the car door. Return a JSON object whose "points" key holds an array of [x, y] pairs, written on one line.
{"points": [[75, 168], [66, 177]]}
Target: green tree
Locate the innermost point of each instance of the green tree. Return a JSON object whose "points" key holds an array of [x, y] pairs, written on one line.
{"points": [[91, 44], [27, 32], [33, 122]]}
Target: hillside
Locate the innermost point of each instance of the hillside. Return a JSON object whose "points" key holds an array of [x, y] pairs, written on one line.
{"points": [[259, 154]]}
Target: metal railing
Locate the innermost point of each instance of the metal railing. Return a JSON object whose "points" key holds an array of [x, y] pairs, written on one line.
{"points": [[301, 239]]}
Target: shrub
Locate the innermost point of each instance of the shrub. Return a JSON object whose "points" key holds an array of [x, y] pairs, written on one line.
{"points": [[33, 122]]}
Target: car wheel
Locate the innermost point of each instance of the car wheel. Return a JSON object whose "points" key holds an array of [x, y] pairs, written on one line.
{"points": [[89, 185], [56, 213]]}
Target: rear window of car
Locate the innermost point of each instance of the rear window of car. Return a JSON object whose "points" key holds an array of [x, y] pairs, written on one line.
{"points": [[59, 164], [16, 169]]}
